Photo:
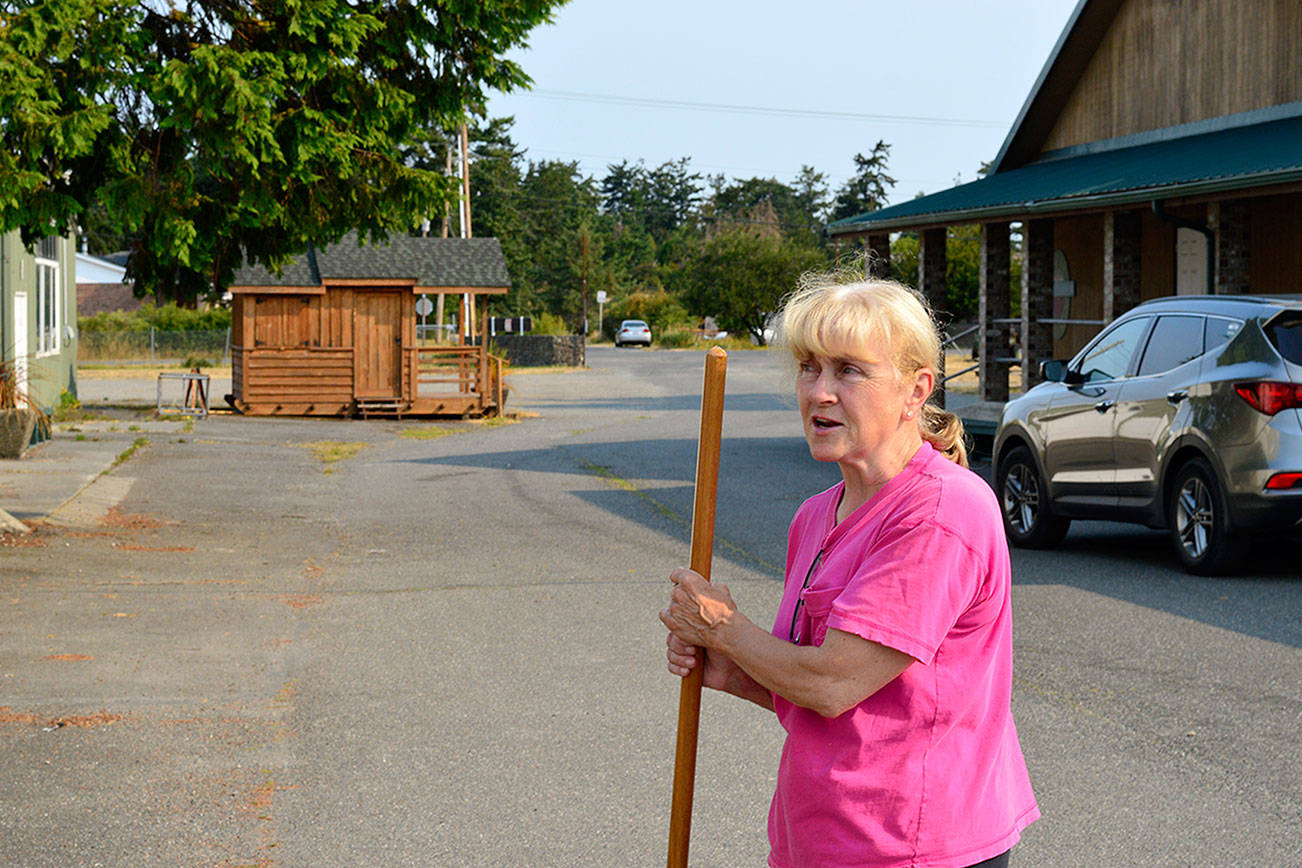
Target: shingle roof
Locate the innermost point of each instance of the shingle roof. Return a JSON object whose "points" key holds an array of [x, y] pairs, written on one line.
{"points": [[1226, 159], [431, 262]]}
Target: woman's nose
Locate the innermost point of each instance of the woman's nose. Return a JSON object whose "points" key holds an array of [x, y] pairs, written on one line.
{"points": [[821, 388]]}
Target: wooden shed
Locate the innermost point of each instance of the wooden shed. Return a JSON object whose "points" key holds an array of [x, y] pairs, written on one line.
{"points": [[336, 333]]}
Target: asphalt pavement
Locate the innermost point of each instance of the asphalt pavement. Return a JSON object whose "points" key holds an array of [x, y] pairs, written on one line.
{"points": [[257, 641]]}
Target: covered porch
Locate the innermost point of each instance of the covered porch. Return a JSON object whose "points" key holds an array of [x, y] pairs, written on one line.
{"points": [[1098, 231]]}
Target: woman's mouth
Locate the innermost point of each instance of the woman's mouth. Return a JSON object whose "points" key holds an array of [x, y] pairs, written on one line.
{"points": [[823, 424]]}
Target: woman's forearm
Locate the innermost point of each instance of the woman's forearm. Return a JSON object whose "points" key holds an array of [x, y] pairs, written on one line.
{"points": [[740, 684], [829, 679]]}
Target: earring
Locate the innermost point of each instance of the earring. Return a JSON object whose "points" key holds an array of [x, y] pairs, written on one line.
{"points": [[908, 414]]}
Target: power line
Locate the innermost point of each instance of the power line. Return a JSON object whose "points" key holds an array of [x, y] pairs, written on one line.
{"points": [[648, 102]]}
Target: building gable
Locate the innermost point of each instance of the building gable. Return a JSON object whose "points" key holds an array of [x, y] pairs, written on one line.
{"points": [[1124, 68], [1163, 64]]}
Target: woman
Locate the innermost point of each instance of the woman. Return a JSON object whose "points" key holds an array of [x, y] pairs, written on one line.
{"points": [[890, 662]]}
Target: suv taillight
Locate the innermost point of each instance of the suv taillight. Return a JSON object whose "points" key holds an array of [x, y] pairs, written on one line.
{"points": [[1270, 398], [1284, 481]]}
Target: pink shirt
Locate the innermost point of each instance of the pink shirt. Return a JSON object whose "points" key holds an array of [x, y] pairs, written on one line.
{"points": [[927, 771]]}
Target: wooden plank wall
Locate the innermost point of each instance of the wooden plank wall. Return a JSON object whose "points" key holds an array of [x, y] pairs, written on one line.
{"points": [[1168, 62], [302, 376]]}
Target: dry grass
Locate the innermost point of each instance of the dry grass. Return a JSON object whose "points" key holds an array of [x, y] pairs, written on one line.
{"points": [[967, 383], [332, 451], [141, 372]]}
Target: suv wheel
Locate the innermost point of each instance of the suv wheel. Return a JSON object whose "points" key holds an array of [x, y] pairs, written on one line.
{"points": [[1199, 520], [1023, 498]]}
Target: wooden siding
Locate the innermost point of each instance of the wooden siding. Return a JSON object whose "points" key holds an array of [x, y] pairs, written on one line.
{"points": [[1081, 241], [1276, 244], [330, 353], [298, 376], [1169, 62], [1157, 252]]}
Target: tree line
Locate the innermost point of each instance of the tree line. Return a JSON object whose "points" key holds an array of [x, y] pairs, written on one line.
{"points": [[201, 135], [671, 245]]}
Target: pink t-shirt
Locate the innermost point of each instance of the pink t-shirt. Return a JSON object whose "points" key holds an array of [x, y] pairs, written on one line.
{"points": [[927, 771]]}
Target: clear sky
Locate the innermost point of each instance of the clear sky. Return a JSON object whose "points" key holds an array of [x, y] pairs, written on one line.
{"points": [[940, 81]]}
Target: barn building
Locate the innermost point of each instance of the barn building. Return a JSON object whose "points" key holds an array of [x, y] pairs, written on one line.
{"points": [[1159, 153]]}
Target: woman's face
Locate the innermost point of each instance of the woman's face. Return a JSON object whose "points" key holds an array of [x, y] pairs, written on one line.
{"points": [[854, 407]]}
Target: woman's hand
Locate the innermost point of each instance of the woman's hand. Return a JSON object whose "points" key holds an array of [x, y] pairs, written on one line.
{"points": [[696, 608], [719, 670]]}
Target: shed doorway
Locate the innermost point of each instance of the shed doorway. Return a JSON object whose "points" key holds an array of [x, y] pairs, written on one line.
{"points": [[378, 336]]}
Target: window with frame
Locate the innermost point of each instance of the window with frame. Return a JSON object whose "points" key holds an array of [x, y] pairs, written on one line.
{"points": [[49, 311], [1109, 357], [1174, 341]]}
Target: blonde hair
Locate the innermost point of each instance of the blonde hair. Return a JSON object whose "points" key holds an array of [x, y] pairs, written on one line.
{"points": [[830, 316]]}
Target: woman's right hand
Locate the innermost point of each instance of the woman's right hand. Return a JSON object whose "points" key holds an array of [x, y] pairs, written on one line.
{"points": [[683, 658]]}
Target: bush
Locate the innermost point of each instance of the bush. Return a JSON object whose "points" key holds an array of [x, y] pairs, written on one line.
{"points": [[169, 317], [549, 324], [677, 339]]}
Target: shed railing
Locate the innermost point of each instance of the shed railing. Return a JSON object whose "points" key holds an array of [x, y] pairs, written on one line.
{"points": [[466, 370]]}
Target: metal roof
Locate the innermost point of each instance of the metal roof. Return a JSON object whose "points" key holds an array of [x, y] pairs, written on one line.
{"points": [[430, 262], [1249, 155]]}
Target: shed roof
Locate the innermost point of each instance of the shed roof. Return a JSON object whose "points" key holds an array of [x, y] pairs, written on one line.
{"points": [[1108, 175], [433, 263]]}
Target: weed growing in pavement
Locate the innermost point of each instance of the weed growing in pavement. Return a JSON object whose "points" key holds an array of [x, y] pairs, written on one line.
{"points": [[129, 451], [428, 432], [330, 451]]}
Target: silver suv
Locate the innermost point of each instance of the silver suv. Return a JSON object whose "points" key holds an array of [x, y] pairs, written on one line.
{"points": [[1184, 413]]}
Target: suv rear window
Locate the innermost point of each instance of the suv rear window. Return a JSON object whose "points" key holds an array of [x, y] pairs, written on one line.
{"points": [[1285, 332]]}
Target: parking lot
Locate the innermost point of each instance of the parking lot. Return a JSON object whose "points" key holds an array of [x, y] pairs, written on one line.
{"points": [[435, 643]]}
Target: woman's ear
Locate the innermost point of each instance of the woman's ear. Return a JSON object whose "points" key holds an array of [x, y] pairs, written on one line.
{"points": [[924, 381]]}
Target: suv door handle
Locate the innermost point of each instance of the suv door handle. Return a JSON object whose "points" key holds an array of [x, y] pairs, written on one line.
{"points": [[1105, 406], [1177, 396]]}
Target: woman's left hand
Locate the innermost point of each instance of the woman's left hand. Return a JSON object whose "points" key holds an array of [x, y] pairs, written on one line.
{"points": [[696, 607]]}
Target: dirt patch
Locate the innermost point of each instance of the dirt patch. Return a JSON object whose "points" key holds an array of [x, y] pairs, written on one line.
{"points": [[130, 520], [69, 658], [25, 541], [123, 547], [312, 571], [98, 718], [299, 601], [8, 715]]}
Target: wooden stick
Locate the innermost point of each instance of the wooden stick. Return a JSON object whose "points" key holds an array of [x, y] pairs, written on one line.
{"points": [[689, 698]]}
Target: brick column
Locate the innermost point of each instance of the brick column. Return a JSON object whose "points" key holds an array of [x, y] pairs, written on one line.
{"points": [[995, 304], [931, 283], [1231, 221], [1037, 298], [879, 256], [1121, 261]]}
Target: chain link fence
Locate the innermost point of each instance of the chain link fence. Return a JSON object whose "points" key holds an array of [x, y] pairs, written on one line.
{"points": [[154, 347]]}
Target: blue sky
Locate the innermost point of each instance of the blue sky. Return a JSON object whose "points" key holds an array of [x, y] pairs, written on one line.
{"points": [[941, 81]]}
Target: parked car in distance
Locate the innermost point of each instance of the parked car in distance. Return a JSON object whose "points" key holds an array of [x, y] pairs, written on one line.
{"points": [[633, 331], [1185, 413]]}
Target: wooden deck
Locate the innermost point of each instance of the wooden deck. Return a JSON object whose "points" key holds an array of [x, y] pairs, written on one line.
{"points": [[456, 381]]}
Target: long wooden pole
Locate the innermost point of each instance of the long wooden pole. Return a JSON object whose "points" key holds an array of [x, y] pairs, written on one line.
{"points": [[689, 697]]}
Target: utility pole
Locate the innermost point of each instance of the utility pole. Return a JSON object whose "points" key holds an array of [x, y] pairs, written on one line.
{"points": [[468, 299], [585, 284]]}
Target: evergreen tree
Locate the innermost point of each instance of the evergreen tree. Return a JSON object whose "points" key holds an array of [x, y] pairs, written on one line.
{"points": [[868, 189], [211, 132]]}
